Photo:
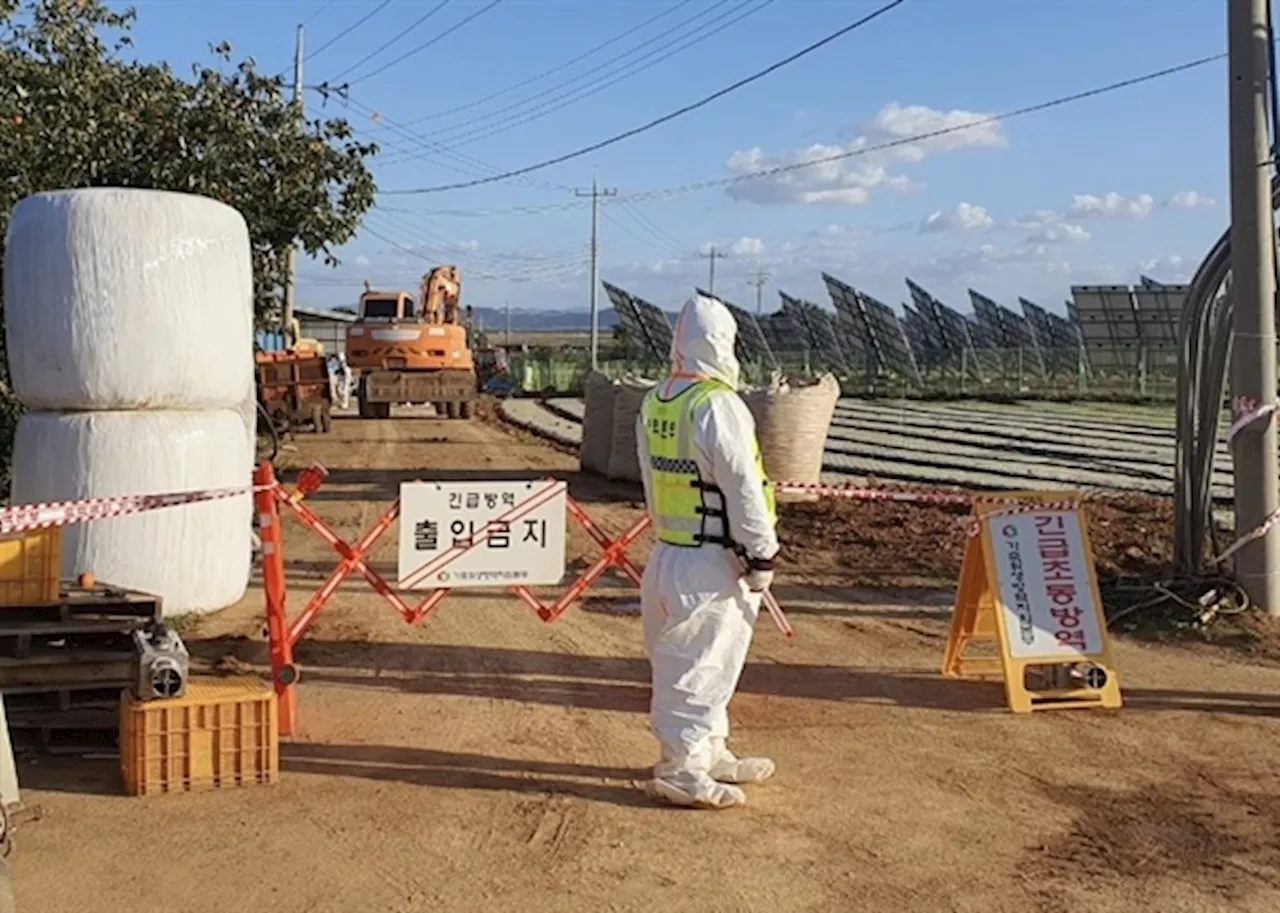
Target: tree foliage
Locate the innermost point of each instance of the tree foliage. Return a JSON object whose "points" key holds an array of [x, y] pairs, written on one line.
{"points": [[77, 111]]}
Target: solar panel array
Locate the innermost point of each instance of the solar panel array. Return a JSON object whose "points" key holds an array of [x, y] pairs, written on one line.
{"points": [[642, 321], [873, 330], [818, 331], [1110, 332]]}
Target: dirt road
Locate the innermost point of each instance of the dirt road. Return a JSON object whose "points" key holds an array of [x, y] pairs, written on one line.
{"points": [[484, 761]]}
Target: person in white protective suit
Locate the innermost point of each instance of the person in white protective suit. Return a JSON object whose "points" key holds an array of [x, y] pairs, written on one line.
{"points": [[714, 520]]}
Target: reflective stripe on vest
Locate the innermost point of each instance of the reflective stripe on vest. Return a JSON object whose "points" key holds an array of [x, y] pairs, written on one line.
{"points": [[681, 506]]}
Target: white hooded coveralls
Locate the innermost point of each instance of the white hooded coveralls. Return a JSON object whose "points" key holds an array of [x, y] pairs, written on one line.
{"points": [[698, 613]]}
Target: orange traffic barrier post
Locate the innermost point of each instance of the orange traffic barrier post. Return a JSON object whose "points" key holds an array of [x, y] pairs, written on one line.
{"points": [[1029, 589], [452, 534]]}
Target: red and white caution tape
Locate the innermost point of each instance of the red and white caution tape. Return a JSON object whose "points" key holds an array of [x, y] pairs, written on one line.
{"points": [[24, 517], [1246, 411], [856, 493], [973, 525], [1261, 530]]}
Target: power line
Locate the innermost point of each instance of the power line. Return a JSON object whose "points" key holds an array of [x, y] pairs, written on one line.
{"points": [[919, 137], [386, 44], [457, 133], [586, 150], [576, 95], [349, 29], [558, 69], [422, 47]]}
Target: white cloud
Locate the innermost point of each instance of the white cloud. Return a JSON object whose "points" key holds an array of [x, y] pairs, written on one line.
{"points": [[965, 217], [850, 181], [362, 261], [1056, 232], [1189, 199], [748, 247], [1173, 268], [1112, 206]]}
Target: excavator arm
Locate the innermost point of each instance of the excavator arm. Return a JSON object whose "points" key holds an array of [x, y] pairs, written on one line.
{"points": [[441, 290]]}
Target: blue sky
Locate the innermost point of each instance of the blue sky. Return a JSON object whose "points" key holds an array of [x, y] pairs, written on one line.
{"points": [[1021, 208]]}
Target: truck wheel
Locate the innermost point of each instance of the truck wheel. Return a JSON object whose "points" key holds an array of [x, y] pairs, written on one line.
{"points": [[440, 409], [381, 410], [451, 408], [467, 408]]}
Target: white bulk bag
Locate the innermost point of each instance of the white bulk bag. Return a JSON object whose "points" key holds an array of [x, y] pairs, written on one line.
{"points": [[128, 299], [195, 556]]}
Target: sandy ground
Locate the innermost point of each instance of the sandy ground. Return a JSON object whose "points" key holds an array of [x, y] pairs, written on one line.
{"points": [[485, 761]]}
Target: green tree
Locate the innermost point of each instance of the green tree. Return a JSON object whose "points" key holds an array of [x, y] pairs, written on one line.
{"points": [[76, 112]]}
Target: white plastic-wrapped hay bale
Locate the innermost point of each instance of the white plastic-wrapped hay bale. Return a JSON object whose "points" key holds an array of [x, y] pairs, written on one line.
{"points": [[624, 462], [792, 422], [195, 556], [597, 424], [128, 299]]}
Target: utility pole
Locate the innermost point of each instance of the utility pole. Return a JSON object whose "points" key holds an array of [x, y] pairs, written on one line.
{"points": [[759, 281], [713, 255], [291, 255], [596, 193], [1253, 293]]}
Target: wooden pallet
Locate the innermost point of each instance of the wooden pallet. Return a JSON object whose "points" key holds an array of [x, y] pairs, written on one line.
{"points": [[83, 718], [82, 605]]}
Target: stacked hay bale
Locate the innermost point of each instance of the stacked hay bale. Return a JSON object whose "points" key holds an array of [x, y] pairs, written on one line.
{"points": [[129, 316], [792, 421]]}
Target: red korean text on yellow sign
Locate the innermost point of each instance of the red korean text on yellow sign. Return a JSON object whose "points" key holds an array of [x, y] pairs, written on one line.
{"points": [[1028, 593]]}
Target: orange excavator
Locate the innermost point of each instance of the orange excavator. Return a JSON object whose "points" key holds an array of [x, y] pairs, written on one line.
{"points": [[409, 350]]}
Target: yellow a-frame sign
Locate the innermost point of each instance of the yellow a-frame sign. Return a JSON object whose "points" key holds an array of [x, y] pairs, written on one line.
{"points": [[1028, 588]]}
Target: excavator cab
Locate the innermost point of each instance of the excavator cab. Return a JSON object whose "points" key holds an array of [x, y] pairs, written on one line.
{"points": [[413, 350], [386, 307]]}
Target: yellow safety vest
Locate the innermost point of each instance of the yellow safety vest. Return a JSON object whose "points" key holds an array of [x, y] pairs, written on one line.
{"points": [[679, 493]]}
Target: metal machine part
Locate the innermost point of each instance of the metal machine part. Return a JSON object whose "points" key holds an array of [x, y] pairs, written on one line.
{"points": [[164, 664]]}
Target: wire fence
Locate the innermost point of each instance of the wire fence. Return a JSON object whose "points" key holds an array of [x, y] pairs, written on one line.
{"points": [[1126, 374]]}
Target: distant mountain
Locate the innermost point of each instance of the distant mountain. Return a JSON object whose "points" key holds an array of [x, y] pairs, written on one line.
{"points": [[526, 320]]}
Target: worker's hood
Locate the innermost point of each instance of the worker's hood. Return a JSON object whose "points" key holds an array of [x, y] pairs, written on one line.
{"points": [[702, 342]]}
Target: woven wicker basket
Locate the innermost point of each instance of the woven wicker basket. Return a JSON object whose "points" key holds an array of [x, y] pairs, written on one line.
{"points": [[597, 424], [624, 462], [792, 422]]}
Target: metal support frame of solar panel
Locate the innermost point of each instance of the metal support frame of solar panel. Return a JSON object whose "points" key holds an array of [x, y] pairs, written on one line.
{"points": [[1109, 325], [889, 341], [819, 333], [851, 329], [1011, 333], [1073, 318], [951, 329], [1159, 312], [986, 347], [750, 344], [624, 306], [630, 320], [1055, 337], [1148, 282], [780, 333], [928, 355], [656, 325]]}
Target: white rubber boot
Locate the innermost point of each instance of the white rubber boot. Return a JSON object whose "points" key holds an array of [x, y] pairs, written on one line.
{"points": [[690, 790], [728, 768]]}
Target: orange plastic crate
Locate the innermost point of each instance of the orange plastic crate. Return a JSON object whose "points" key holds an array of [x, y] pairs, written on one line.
{"points": [[29, 565], [223, 733]]}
